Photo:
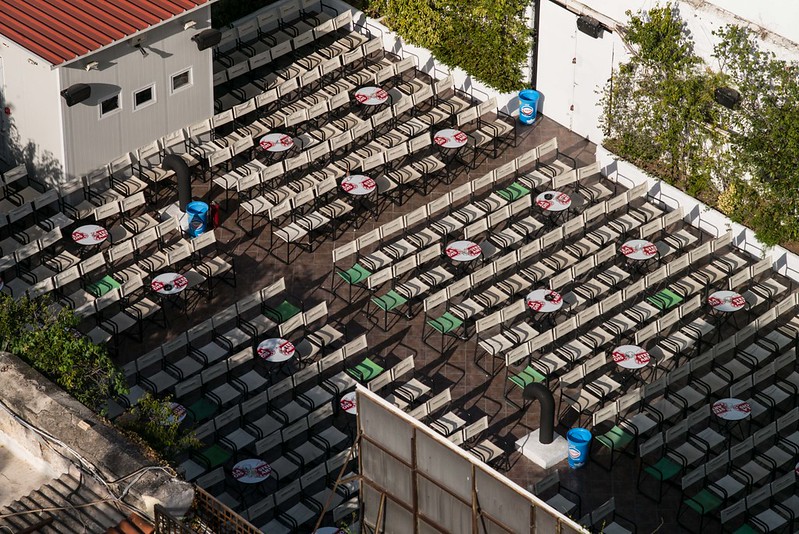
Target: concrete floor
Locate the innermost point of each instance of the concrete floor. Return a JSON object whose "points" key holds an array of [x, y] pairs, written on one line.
{"points": [[18, 477]]}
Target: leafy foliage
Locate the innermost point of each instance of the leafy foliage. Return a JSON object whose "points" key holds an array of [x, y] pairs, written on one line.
{"points": [[660, 114], [49, 342], [489, 39], [152, 419]]}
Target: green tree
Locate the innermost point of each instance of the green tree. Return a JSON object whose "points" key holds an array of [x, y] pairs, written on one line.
{"points": [[49, 342], [154, 421]]}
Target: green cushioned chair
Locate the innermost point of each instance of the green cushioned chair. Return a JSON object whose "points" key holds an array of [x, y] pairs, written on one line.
{"points": [[282, 312], [664, 299], [447, 324], [352, 277], [202, 409], [514, 191], [102, 286], [526, 377], [214, 456], [663, 470], [389, 303], [616, 440], [704, 502], [365, 371]]}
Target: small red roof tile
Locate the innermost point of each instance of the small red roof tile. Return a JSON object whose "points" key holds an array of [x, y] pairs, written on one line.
{"points": [[61, 30]]}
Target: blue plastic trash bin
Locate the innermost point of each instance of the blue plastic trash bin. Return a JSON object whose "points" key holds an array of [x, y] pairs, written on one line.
{"points": [[579, 440], [197, 213], [528, 105]]}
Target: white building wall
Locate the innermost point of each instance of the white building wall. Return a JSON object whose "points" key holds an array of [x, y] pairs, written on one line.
{"points": [[32, 130], [92, 141]]}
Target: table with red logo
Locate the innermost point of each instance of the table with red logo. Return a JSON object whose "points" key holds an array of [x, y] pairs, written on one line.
{"points": [[451, 143], [275, 350], [89, 234], [631, 357], [726, 301], [251, 471], [349, 403], [276, 142], [544, 300], [169, 283], [371, 96], [639, 250], [731, 409], [361, 187], [177, 413], [463, 251], [553, 201]]}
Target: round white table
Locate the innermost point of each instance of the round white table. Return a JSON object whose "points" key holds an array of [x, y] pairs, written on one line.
{"points": [[371, 96], [89, 234], [178, 413], [275, 350], [169, 283], [463, 251], [726, 301], [358, 185], [349, 403], [276, 142], [631, 357], [553, 201], [731, 409], [639, 249], [251, 471], [450, 138], [544, 300]]}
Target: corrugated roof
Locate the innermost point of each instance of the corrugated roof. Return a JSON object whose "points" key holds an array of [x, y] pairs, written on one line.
{"points": [[62, 30]]}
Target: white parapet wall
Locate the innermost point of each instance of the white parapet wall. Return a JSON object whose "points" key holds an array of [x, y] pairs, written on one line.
{"points": [[697, 213]]}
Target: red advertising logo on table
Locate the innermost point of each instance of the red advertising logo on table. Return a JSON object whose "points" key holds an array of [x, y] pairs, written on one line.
{"points": [[535, 305], [720, 408], [452, 252], [286, 140], [642, 357], [440, 141], [79, 236], [266, 145], [368, 184], [381, 94], [738, 301], [180, 282], [100, 234], [713, 301], [563, 198], [743, 407], [460, 137], [474, 250], [544, 203], [618, 357], [178, 410], [287, 348], [361, 98], [347, 404], [347, 186], [265, 352], [261, 470], [627, 250], [554, 297], [650, 249]]}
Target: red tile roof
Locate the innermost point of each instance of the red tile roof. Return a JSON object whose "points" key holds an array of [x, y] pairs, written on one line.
{"points": [[62, 30]]}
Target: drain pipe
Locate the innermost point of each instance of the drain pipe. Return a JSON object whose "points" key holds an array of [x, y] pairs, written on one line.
{"points": [[536, 38], [173, 162], [541, 393]]}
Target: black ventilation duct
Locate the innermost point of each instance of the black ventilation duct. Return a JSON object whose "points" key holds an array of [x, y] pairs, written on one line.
{"points": [[76, 94], [173, 162], [207, 38], [541, 393], [590, 26], [727, 97]]}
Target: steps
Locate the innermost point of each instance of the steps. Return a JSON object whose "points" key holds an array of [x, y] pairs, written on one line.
{"points": [[70, 493]]}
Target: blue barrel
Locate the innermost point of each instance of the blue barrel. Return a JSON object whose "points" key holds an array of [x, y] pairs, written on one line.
{"points": [[528, 105], [197, 213], [579, 440]]}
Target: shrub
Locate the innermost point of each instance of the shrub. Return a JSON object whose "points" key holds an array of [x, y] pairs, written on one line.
{"points": [[152, 419]]}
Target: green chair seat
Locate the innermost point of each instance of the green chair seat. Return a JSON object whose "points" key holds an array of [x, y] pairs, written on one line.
{"points": [[746, 529], [445, 324], [664, 299], [514, 191], [365, 371], [102, 286], [214, 456], [704, 502], [282, 312], [202, 409], [355, 274], [389, 301], [527, 377], [615, 439], [664, 469]]}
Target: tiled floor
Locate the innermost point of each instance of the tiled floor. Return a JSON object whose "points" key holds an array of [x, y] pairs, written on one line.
{"points": [[475, 393]]}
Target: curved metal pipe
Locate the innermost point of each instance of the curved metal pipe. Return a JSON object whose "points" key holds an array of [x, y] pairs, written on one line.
{"points": [[541, 393], [173, 162]]}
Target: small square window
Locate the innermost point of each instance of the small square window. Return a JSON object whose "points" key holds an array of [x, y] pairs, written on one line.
{"points": [[109, 105], [181, 80], [143, 97]]}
